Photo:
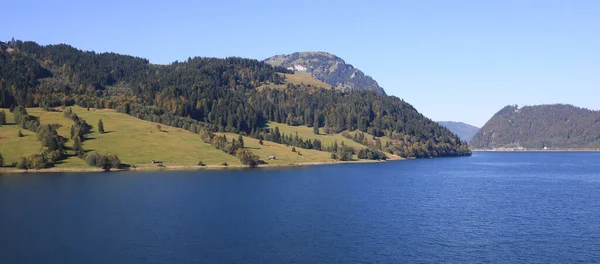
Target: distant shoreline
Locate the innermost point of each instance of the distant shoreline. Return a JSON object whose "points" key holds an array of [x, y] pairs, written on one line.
{"points": [[535, 150], [185, 168]]}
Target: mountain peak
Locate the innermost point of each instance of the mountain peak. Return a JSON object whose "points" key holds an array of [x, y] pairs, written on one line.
{"points": [[328, 68]]}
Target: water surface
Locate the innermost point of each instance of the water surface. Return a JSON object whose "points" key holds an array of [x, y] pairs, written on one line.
{"points": [[492, 207]]}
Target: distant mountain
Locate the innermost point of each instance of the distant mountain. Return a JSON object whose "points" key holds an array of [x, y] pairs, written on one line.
{"points": [[464, 131], [537, 127], [329, 69]]}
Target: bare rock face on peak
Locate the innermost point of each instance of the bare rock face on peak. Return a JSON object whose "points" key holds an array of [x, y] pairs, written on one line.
{"points": [[329, 69]]}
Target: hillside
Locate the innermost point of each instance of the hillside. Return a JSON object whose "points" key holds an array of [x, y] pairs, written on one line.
{"points": [[134, 141], [126, 136], [284, 153], [297, 79], [543, 126], [329, 69], [462, 130], [206, 96]]}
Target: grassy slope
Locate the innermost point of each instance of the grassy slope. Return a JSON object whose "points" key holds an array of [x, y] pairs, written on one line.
{"points": [[11, 146], [383, 139], [283, 153], [296, 79], [138, 142], [307, 132], [135, 141]]}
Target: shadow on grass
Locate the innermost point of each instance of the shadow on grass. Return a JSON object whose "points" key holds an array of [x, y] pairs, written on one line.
{"points": [[58, 162]]}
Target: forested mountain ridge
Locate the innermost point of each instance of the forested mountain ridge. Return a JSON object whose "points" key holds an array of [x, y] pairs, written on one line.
{"points": [[329, 69], [218, 95], [557, 126], [462, 130]]}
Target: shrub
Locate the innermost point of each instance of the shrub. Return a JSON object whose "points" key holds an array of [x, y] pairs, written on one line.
{"points": [[54, 156], [200, 163], [35, 161], [20, 134], [344, 156], [371, 154], [293, 149], [350, 150], [229, 149], [115, 162], [93, 159], [22, 164], [1, 160], [247, 157], [345, 153], [333, 156], [106, 162], [225, 164]]}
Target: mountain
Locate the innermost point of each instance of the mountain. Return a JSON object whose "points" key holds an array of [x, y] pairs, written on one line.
{"points": [[211, 96], [464, 131], [557, 126], [327, 68]]}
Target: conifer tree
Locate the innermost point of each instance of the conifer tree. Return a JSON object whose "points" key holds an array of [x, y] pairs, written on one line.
{"points": [[277, 137], [78, 147], [2, 118], [100, 126], [240, 141]]}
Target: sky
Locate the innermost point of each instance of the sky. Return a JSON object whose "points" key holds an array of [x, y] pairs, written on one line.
{"points": [[452, 60]]}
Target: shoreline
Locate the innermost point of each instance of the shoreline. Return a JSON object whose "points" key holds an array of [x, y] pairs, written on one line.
{"points": [[535, 150], [186, 167]]}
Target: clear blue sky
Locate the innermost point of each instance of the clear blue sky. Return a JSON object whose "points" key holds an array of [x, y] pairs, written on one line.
{"points": [[453, 60]]}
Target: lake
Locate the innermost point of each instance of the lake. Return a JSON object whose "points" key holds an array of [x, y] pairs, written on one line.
{"points": [[491, 207]]}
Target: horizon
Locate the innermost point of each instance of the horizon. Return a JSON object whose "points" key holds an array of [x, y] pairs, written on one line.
{"points": [[458, 62]]}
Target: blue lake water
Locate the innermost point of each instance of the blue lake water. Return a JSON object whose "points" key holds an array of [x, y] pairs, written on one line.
{"points": [[488, 208]]}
